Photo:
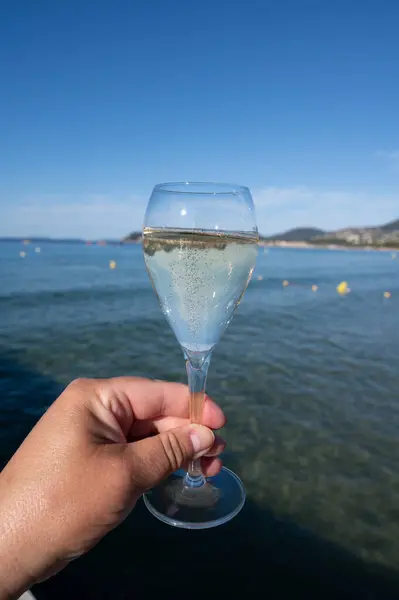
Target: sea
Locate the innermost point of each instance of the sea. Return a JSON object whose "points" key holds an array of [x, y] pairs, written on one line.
{"points": [[308, 378]]}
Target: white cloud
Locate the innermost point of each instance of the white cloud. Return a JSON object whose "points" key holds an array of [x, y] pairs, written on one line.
{"points": [[390, 155], [96, 216], [91, 216], [279, 209]]}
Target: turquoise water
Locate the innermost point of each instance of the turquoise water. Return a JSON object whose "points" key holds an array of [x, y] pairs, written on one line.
{"points": [[309, 382]]}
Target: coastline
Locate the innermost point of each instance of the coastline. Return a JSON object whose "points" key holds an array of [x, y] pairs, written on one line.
{"points": [[262, 243], [307, 245]]}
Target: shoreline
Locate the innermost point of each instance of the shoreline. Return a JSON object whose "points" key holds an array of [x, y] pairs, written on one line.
{"points": [[261, 243], [306, 245]]}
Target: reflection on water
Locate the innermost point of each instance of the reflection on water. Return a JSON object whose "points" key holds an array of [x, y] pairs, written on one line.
{"points": [[308, 379]]}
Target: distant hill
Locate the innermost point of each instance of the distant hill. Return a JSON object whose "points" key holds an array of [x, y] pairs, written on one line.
{"points": [[382, 235], [298, 234], [135, 236], [390, 227]]}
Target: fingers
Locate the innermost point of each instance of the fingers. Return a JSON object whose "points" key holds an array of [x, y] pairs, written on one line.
{"points": [[212, 415], [211, 466], [145, 399], [152, 459], [218, 447], [143, 428], [150, 399]]}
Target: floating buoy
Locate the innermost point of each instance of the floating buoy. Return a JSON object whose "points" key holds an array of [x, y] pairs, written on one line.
{"points": [[285, 283], [260, 277], [387, 294], [112, 264], [342, 288], [22, 254], [37, 249], [315, 288]]}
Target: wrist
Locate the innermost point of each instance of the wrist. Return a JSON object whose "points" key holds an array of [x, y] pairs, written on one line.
{"points": [[14, 577], [18, 547]]}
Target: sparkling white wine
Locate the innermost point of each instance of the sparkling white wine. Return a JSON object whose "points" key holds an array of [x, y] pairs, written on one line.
{"points": [[200, 277]]}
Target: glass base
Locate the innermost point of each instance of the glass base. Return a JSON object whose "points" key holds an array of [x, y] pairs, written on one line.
{"points": [[215, 503]]}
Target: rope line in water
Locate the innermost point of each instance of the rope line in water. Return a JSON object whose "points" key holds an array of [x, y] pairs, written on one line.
{"points": [[342, 288]]}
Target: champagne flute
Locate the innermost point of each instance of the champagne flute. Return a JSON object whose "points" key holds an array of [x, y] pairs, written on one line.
{"points": [[200, 243]]}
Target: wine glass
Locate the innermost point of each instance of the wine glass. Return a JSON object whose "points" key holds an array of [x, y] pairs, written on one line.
{"points": [[200, 243]]}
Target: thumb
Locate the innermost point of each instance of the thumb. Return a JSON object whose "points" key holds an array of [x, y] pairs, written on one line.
{"points": [[154, 458]]}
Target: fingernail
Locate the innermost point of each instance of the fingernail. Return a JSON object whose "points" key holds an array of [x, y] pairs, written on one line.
{"points": [[202, 439]]}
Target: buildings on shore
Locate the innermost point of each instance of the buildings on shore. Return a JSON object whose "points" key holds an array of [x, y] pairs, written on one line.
{"points": [[365, 237]]}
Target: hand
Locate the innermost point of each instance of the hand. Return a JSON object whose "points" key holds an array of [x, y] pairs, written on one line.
{"points": [[82, 468]]}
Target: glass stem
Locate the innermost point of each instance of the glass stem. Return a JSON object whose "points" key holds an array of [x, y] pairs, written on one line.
{"points": [[197, 370]]}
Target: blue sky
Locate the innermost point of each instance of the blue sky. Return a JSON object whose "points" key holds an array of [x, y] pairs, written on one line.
{"points": [[102, 99]]}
